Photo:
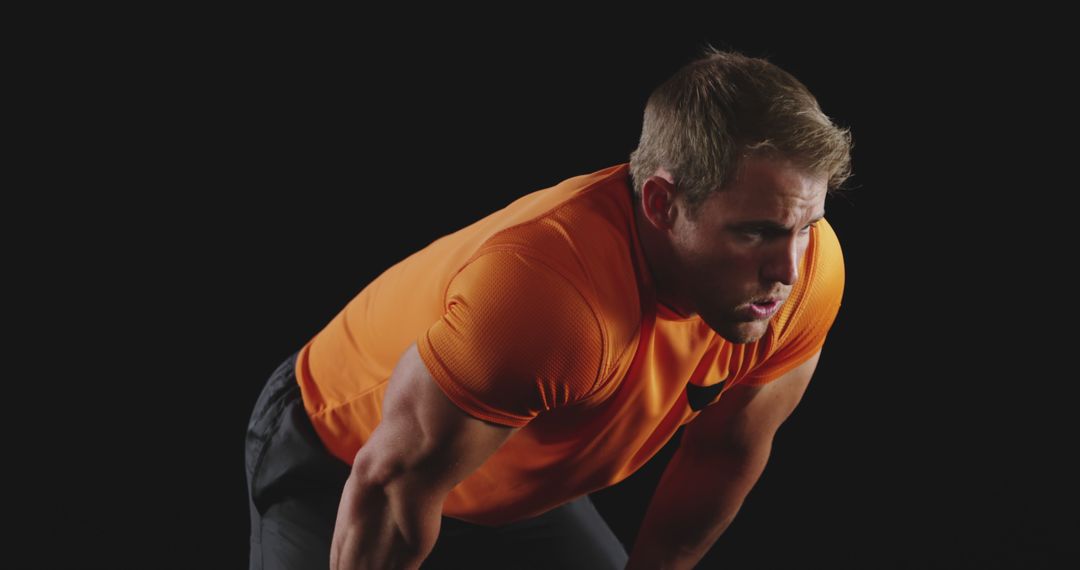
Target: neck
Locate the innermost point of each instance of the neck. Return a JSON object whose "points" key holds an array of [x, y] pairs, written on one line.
{"points": [[659, 254]]}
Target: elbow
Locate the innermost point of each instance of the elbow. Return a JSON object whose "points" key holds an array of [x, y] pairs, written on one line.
{"points": [[742, 455], [746, 441], [414, 474], [748, 448], [376, 470]]}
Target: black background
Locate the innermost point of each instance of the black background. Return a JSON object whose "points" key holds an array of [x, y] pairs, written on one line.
{"points": [[216, 187]]}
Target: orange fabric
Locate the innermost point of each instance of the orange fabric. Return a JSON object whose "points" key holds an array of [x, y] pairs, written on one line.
{"points": [[542, 316]]}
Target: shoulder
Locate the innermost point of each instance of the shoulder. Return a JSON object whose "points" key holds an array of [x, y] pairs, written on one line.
{"points": [[827, 257], [819, 292]]}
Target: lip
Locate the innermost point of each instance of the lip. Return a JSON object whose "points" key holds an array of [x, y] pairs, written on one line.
{"points": [[764, 308]]}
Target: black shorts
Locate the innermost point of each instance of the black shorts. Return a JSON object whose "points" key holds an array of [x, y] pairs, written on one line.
{"points": [[294, 486]]}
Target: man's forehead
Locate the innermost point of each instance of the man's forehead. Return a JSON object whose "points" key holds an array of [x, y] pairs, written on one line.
{"points": [[785, 222], [772, 201]]}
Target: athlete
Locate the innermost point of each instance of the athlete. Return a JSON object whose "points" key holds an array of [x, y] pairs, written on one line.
{"points": [[459, 410]]}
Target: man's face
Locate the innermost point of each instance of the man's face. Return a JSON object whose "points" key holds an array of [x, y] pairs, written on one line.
{"points": [[738, 260]]}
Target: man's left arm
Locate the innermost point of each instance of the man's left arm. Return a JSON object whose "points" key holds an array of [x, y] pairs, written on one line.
{"points": [[722, 453]]}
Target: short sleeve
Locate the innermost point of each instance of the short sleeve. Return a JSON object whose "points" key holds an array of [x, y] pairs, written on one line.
{"points": [[804, 324], [517, 339]]}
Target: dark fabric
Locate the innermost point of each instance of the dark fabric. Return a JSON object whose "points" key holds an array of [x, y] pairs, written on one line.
{"points": [[295, 484]]}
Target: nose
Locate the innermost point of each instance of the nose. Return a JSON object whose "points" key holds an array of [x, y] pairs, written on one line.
{"points": [[783, 263]]}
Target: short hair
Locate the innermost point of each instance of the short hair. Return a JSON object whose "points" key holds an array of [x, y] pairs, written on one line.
{"points": [[724, 106]]}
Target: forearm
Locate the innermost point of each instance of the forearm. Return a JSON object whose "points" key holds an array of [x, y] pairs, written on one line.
{"points": [[695, 501], [380, 526]]}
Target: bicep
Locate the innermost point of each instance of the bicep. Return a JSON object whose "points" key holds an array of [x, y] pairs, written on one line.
{"points": [[423, 438], [748, 416]]}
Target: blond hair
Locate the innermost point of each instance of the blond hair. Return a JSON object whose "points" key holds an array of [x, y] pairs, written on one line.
{"points": [[724, 106]]}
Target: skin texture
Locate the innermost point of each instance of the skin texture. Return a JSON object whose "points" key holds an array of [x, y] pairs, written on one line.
{"points": [[743, 245], [391, 506]]}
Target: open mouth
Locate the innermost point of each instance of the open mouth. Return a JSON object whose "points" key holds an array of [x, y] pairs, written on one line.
{"points": [[764, 308]]}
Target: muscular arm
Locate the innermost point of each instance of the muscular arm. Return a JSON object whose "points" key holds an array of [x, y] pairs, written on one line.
{"points": [[391, 505], [722, 454]]}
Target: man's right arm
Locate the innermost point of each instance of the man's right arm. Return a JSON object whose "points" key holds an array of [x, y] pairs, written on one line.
{"points": [[391, 505]]}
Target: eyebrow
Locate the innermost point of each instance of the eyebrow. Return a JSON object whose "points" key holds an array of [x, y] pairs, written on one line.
{"points": [[770, 225]]}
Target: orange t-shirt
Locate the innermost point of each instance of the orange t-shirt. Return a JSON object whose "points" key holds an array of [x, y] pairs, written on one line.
{"points": [[542, 315]]}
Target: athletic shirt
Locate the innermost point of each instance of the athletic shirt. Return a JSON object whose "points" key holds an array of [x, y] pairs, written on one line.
{"points": [[543, 316]]}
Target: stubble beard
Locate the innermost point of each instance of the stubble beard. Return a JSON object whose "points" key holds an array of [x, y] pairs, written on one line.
{"points": [[738, 332]]}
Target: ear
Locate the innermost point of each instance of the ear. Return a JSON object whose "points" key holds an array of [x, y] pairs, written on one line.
{"points": [[658, 201]]}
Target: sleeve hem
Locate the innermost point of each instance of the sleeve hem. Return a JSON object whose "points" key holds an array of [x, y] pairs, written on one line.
{"points": [[449, 385], [601, 326]]}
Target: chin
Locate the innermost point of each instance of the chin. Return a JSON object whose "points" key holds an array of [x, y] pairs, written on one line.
{"points": [[740, 332]]}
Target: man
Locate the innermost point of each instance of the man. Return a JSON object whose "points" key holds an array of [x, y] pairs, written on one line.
{"points": [[461, 407]]}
